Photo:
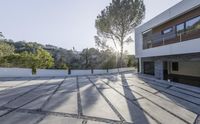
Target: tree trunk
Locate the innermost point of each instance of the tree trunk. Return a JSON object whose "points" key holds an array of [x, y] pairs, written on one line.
{"points": [[121, 53]]}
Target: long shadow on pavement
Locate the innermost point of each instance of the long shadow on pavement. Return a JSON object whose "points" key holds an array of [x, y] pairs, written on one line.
{"points": [[136, 114], [61, 98], [167, 94]]}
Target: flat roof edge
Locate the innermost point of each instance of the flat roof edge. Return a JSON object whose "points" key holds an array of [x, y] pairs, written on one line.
{"points": [[174, 11]]}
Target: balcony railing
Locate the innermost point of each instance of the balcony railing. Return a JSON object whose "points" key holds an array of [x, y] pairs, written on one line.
{"points": [[170, 38]]}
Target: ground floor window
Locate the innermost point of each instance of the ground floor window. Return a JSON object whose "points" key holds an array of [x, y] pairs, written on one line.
{"points": [[175, 66], [149, 68]]}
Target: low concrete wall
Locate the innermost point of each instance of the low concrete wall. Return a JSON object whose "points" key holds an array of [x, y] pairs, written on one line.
{"points": [[25, 72]]}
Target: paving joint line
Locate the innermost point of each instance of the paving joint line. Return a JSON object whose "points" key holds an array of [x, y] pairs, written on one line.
{"points": [[40, 119], [26, 92], [182, 92], [171, 85], [187, 89], [11, 87], [178, 97], [197, 120], [109, 103], [24, 82], [56, 89], [58, 114], [161, 106], [133, 102], [80, 111], [160, 91], [151, 87], [121, 93], [14, 109]]}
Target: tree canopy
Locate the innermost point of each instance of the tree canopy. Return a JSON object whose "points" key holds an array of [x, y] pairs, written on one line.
{"points": [[6, 49], [117, 21], [34, 55]]}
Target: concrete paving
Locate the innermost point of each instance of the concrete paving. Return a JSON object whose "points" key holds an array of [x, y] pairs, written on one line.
{"points": [[98, 99], [91, 99]]}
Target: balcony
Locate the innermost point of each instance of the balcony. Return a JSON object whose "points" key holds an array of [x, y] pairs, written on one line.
{"points": [[156, 40]]}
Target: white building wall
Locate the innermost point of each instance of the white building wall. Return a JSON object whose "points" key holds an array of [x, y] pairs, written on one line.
{"points": [[188, 68], [23, 72], [191, 46]]}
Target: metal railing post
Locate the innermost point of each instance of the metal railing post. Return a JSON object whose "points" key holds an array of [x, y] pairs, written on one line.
{"points": [[163, 41]]}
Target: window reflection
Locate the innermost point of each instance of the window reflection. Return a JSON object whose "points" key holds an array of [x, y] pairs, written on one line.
{"points": [[180, 28], [193, 24], [166, 31]]}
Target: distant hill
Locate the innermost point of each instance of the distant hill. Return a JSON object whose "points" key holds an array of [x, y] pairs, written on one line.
{"points": [[63, 58]]}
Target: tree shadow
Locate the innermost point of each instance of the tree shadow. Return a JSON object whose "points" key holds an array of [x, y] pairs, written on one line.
{"points": [[167, 93], [137, 115], [56, 100]]}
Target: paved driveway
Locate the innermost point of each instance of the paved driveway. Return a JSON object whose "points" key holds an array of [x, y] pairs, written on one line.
{"points": [[125, 98]]}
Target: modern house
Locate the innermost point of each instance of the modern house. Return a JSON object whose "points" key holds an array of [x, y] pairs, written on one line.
{"points": [[168, 46]]}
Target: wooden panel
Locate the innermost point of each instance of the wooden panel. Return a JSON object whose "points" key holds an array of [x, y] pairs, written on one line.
{"points": [[178, 20]]}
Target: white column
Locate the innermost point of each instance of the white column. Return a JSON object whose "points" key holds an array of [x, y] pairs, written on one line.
{"points": [[140, 65]]}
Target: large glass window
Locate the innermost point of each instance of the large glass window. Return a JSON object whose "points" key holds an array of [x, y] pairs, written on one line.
{"points": [[166, 31], [180, 28], [149, 68], [193, 24], [147, 35]]}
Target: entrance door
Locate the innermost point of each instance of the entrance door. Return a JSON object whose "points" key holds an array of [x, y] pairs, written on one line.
{"points": [[165, 70]]}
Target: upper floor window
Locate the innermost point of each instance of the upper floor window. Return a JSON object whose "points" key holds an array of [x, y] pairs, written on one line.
{"points": [[147, 33], [193, 24], [180, 28], [168, 30], [147, 37]]}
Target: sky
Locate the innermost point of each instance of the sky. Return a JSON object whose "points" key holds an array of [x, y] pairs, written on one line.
{"points": [[63, 23]]}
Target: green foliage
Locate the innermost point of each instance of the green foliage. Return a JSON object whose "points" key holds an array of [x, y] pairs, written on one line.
{"points": [[6, 49], [117, 22], [89, 58], [131, 61], [10, 61], [43, 59], [108, 59], [109, 63], [64, 66], [60, 64], [40, 59], [33, 55]]}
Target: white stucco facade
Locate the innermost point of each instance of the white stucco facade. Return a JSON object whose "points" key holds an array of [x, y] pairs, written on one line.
{"points": [[190, 46]]}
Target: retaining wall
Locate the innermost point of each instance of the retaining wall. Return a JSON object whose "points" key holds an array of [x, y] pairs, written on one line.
{"points": [[25, 72]]}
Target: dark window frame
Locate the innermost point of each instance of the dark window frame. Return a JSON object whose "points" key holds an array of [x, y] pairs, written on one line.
{"points": [[162, 32], [145, 36], [175, 66], [184, 23], [190, 20]]}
